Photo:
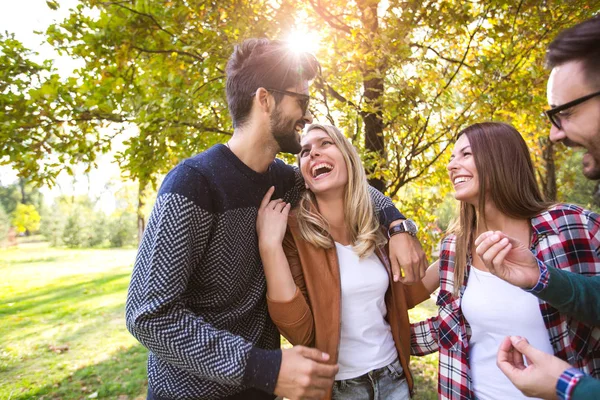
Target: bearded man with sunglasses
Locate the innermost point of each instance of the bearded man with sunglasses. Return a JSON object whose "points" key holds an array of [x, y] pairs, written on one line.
{"points": [[574, 98], [197, 297]]}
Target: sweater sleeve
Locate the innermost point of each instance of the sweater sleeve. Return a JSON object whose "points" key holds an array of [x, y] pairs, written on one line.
{"points": [[587, 388], [175, 239], [570, 293], [573, 294]]}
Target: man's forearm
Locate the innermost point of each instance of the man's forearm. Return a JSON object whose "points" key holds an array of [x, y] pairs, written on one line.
{"points": [[573, 294]]}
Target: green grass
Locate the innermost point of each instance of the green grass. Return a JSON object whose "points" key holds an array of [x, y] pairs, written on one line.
{"points": [[63, 332], [62, 329], [424, 369]]}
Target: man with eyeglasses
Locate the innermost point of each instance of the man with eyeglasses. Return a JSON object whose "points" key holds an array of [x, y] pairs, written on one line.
{"points": [[574, 98], [197, 297]]}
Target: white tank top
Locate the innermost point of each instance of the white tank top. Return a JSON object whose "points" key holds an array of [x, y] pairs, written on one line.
{"points": [[366, 341], [496, 309]]}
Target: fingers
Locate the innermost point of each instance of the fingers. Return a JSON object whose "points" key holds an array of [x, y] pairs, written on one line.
{"points": [[534, 356], [276, 205], [492, 247], [409, 276], [483, 236], [424, 267], [267, 197], [396, 273], [319, 369], [506, 359], [312, 354]]}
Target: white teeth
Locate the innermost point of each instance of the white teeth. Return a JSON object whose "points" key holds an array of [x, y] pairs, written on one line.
{"points": [[320, 165], [461, 179]]}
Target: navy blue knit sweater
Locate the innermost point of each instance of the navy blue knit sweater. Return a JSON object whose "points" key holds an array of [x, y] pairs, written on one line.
{"points": [[197, 294]]}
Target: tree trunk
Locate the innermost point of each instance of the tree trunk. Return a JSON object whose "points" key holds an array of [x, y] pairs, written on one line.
{"points": [[550, 191], [373, 86], [141, 220]]}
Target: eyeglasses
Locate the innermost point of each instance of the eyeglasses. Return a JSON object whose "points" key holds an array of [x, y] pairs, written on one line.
{"points": [[303, 99], [553, 113]]}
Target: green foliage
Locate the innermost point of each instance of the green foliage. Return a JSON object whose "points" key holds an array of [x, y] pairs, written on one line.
{"points": [[75, 222], [401, 78], [4, 224], [73, 234], [26, 218], [573, 187], [446, 211], [123, 229], [22, 191], [412, 74]]}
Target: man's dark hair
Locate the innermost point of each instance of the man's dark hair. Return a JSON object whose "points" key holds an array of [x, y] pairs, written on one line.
{"points": [[263, 63], [578, 43]]}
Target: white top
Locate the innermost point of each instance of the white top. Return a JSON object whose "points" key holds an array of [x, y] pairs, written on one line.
{"points": [[495, 309], [366, 341]]}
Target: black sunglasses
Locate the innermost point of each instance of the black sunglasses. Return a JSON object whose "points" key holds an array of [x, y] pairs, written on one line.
{"points": [[303, 99], [553, 115]]}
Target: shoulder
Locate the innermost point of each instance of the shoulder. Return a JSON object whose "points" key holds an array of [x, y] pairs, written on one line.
{"points": [[281, 170], [564, 215], [448, 244], [190, 179]]}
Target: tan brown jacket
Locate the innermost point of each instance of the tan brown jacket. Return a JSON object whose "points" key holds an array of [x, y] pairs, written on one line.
{"points": [[312, 317]]}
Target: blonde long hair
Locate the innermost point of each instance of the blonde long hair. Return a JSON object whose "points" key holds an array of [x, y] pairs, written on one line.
{"points": [[359, 214], [506, 177]]}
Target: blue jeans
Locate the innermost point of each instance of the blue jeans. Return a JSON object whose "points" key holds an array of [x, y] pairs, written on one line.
{"points": [[386, 383]]}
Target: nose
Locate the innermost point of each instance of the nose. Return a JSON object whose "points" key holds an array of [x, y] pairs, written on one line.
{"points": [[314, 152], [451, 165], [308, 117], [556, 135]]}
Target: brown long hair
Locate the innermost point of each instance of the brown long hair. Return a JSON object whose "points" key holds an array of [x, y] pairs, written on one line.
{"points": [[506, 177], [358, 206]]}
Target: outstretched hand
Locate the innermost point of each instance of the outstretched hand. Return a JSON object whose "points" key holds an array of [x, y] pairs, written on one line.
{"points": [[508, 259]]}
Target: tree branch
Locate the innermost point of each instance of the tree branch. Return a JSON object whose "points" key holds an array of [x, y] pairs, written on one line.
{"points": [[169, 51], [437, 53], [328, 17]]}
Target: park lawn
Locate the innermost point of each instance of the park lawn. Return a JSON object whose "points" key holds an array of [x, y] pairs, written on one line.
{"points": [[62, 330]]}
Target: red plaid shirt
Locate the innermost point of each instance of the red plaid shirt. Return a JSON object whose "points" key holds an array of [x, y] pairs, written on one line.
{"points": [[565, 237]]}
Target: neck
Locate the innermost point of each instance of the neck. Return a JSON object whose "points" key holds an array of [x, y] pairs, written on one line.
{"points": [[331, 207], [496, 221], [253, 147]]}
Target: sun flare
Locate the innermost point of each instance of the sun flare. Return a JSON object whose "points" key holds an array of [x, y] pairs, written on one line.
{"points": [[303, 41]]}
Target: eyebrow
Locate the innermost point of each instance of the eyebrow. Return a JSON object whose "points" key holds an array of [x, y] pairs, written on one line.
{"points": [[319, 139]]}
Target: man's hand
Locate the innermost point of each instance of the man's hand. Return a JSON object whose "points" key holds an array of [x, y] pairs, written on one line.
{"points": [[303, 374], [539, 377], [508, 259], [407, 255]]}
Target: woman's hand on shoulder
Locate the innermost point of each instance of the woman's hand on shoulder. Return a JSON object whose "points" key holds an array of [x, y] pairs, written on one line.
{"points": [[271, 221]]}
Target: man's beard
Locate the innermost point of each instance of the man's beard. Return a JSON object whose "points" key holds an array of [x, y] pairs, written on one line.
{"points": [[592, 173], [284, 133], [591, 168]]}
